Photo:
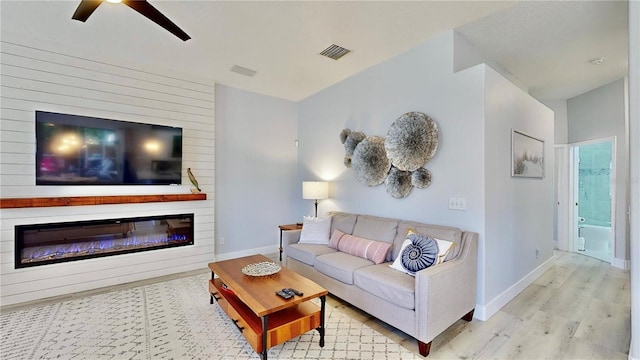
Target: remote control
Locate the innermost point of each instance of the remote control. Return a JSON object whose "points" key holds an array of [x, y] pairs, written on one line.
{"points": [[295, 292], [285, 295]]}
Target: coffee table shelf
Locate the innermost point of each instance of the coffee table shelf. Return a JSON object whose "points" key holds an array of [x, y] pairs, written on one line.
{"points": [[264, 318], [283, 325]]}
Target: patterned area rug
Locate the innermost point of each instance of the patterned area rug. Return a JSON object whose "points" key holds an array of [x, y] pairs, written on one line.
{"points": [[170, 320]]}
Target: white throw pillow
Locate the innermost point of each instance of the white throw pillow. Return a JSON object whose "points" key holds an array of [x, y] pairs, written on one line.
{"points": [[315, 230], [397, 263], [444, 247]]}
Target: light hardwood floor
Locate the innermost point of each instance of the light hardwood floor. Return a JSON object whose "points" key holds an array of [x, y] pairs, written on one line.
{"points": [[579, 309]]}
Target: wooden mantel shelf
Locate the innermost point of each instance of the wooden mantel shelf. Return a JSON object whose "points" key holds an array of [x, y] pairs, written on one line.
{"points": [[12, 203]]}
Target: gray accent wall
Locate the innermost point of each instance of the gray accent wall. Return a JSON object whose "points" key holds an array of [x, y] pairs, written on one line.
{"points": [[256, 187]]}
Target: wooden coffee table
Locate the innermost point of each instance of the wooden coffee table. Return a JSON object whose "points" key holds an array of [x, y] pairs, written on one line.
{"points": [[264, 318]]}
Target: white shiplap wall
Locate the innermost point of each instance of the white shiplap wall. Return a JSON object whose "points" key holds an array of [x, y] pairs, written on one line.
{"points": [[51, 77]]}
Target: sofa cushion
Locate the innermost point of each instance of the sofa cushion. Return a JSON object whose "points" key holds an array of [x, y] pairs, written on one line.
{"points": [[315, 230], [387, 283], [340, 266], [433, 231], [376, 228], [375, 251], [343, 222], [307, 253]]}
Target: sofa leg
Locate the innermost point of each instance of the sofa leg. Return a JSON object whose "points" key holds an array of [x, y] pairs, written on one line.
{"points": [[424, 348], [468, 316]]}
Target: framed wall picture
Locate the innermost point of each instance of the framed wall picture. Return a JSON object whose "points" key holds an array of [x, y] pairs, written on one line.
{"points": [[527, 155]]}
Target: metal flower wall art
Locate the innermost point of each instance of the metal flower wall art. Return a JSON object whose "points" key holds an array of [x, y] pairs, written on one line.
{"points": [[397, 160], [370, 162]]}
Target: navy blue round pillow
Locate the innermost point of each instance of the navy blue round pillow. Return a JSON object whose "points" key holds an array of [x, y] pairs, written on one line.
{"points": [[420, 254]]}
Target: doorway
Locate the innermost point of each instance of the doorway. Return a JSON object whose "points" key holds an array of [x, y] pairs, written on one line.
{"points": [[593, 196]]}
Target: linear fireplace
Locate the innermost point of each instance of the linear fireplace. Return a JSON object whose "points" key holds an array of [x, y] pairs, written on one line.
{"points": [[41, 244]]}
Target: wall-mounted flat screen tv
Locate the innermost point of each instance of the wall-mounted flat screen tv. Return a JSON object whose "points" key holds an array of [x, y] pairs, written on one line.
{"points": [[82, 150]]}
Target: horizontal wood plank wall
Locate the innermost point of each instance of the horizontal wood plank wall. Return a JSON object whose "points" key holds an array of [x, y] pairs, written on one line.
{"points": [[49, 77]]}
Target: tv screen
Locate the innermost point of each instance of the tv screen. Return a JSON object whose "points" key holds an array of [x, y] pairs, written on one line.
{"points": [[82, 150]]}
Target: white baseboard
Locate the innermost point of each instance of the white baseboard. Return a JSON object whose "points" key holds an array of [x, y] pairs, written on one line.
{"points": [[236, 254], [622, 264], [484, 312], [635, 344]]}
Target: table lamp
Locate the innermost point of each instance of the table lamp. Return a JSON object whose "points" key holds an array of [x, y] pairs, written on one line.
{"points": [[315, 190]]}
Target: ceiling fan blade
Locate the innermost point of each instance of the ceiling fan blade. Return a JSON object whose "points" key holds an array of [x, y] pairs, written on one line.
{"points": [[85, 9], [147, 10]]}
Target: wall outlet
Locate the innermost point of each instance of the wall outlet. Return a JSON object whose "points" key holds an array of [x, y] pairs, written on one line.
{"points": [[221, 240], [457, 203]]}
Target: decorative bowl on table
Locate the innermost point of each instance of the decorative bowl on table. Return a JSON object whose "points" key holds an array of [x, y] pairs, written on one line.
{"points": [[264, 268]]}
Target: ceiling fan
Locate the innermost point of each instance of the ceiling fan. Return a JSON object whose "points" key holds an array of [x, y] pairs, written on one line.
{"points": [[87, 7]]}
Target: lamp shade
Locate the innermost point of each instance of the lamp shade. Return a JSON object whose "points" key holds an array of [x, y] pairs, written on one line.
{"points": [[315, 190]]}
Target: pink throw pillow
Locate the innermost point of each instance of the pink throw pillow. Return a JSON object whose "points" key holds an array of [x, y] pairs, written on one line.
{"points": [[335, 238], [375, 251]]}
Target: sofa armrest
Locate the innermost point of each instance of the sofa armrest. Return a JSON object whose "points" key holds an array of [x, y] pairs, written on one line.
{"points": [[446, 292], [290, 237]]}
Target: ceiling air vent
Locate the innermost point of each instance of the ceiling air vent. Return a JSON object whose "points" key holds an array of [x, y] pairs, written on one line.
{"points": [[335, 52], [243, 70]]}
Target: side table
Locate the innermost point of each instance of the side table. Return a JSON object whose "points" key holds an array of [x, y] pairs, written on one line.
{"points": [[288, 227]]}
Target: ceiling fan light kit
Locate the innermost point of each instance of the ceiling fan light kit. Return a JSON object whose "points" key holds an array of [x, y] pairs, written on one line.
{"points": [[87, 7]]}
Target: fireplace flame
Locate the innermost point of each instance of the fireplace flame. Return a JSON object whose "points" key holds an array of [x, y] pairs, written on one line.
{"points": [[40, 244], [106, 245]]}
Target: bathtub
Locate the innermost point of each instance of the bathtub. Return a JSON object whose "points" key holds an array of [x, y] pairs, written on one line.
{"points": [[596, 243], [596, 237]]}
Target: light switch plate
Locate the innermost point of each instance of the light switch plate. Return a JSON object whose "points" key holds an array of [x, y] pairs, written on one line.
{"points": [[457, 203]]}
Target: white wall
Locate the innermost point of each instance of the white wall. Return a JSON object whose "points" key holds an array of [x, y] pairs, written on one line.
{"points": [[256, 170], [561, 121], [561, 129], [422, 79], [57, 78], [634, 131], [466, 55], [518, 211], [597, 114]]}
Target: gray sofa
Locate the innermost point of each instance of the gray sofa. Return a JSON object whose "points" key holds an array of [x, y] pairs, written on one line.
{"points": [[422, 306]]}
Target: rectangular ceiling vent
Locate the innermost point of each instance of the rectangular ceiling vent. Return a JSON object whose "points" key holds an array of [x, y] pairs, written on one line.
{"points": [[335, 52], [243, 70]]}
